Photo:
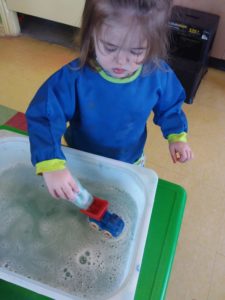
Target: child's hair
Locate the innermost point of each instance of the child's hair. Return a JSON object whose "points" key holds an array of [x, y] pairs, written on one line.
{"points": [[151, 15]]}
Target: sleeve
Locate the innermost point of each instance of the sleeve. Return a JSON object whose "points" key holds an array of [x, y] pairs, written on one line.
{"points": [[52, 106], [168, 113], [179, 137]]}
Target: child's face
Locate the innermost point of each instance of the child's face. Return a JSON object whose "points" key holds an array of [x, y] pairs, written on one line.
{"points": [[119, 50]]}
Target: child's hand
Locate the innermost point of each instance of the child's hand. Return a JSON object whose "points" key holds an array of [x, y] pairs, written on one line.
{"points": [[180, 151], [61, 184]]}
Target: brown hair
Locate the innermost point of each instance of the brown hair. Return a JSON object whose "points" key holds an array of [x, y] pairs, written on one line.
{"points": [[152, 15]]}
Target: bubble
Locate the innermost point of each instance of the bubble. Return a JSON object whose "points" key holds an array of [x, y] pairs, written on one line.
{"points": [[68, 274], [83, 259]]}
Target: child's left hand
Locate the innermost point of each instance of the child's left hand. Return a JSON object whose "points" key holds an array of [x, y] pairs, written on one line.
{"points": [[181, 152]]}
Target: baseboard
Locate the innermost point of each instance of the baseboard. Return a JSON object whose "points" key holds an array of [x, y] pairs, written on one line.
{"points": [[216, 63]]}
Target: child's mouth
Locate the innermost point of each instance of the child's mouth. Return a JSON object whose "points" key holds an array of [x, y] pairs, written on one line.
{"points": [[119, 71]]}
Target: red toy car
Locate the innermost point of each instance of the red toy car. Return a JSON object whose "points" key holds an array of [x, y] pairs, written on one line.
{"points": [[101, 219]]}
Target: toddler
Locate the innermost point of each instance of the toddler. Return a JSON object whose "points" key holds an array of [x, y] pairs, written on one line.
{"points": [[108, 93]]}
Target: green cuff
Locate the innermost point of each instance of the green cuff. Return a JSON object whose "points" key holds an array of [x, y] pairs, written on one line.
{"points": [[177, 137], [50, 166]]}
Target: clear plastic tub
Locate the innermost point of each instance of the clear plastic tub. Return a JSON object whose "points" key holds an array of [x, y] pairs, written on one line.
{"points": [[47, 245]]}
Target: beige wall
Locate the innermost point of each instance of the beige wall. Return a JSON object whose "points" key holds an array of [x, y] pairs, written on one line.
{"points": [[64, 11], [216, 7]]}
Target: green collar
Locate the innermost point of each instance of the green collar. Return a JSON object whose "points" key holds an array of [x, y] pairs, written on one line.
{"points": [[120, 80]]}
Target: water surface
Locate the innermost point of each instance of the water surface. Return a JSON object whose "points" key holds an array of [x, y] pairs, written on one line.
{"points": [[50, 241]]}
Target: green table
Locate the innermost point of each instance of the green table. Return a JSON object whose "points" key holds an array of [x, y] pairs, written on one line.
{"points": [[161, 241], [159, 251]]}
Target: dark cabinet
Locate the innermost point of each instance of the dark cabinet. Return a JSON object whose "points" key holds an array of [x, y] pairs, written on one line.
{"points": [[192, 35]]}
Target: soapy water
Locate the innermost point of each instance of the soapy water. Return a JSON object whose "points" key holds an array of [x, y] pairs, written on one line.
{"points": [[50, 241]]}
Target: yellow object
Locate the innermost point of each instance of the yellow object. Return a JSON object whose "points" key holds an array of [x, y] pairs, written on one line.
{"points": [[180, 137], [50, 165]]}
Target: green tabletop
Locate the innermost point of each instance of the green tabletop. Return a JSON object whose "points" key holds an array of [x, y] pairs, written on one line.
{"points": [[161, 241]]}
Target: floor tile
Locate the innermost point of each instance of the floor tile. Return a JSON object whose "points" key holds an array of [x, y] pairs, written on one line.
{"points": [[211, 90], [191, 273], [24, 70], [217, 286]]}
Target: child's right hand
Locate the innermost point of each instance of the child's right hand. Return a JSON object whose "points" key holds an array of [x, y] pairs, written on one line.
{"points": [[61, 184]]}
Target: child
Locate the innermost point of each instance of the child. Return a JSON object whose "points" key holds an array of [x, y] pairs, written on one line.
{"points": [[108, 93]]}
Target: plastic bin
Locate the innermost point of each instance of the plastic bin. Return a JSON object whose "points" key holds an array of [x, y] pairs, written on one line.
{"points": [[157, 260]]}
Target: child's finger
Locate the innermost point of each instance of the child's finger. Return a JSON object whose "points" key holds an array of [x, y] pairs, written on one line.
{"points": [[73, 185], [69, 192], [182, 157], [188, 155], [174, 156], [55, 194]]}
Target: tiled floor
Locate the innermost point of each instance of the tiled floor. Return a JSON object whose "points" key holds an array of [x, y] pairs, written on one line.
{"points": [[199, 267]]}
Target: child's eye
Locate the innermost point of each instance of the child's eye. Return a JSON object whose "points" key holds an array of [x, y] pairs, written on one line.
{"points": [[110, 48], [137, 52]]}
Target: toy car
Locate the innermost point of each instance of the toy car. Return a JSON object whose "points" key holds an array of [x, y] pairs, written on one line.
{"points": [[101, 219], [111, 225]]}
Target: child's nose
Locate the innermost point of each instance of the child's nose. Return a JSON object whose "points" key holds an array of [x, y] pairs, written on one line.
{"points": [[122, 57]]}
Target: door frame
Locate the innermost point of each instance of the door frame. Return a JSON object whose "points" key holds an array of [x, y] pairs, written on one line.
{"points": [[10, 20]]}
